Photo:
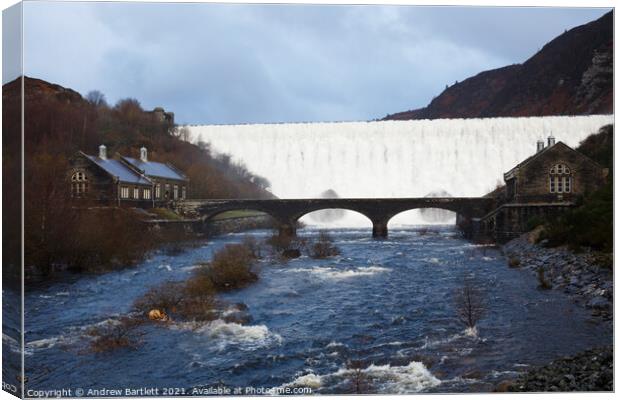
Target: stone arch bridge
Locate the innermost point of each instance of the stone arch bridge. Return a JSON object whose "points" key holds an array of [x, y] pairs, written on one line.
{"points": [[286, 212]]}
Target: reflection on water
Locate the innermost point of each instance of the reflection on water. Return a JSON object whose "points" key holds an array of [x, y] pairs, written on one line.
{"points": [[386, 303]]}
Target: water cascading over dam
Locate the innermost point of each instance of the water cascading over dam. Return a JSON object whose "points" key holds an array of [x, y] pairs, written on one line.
{"points": [[462, 157]]}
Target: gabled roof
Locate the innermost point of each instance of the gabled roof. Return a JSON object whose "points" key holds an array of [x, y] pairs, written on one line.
{"points": [[156, 169], [118, 170], [531, 158]]}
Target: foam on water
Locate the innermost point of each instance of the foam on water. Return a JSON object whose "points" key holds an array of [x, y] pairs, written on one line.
{"points": [[463, 157], [413, 377], [331, 273], [225, 333]]}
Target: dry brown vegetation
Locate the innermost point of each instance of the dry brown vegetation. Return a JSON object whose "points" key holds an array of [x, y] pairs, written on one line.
{"points": [[123, 333], [323, 247], [60, 122], [231, 267], [195, 299], [542, 280]]}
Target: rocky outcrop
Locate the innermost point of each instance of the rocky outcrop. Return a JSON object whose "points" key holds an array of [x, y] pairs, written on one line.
{"points": [[578, 275], [571, 75], [590, 371]]}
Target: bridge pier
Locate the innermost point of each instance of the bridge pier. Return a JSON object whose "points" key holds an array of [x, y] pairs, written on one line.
{"points": [[379, 229], [287, 230]]}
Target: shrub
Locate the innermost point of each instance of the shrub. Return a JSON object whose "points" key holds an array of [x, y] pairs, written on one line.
{"points": [[514, 262], [279, 242], [587, 225], [324, 247], [123, 333], [191, 300], [231, 267], [534, 222], [165, 297], [542, 281]]}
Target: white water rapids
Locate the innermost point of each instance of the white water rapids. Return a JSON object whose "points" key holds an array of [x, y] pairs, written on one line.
{"points": [[462, 157]]}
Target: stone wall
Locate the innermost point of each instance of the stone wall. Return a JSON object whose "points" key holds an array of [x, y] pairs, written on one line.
{"points": [[511, 220]]}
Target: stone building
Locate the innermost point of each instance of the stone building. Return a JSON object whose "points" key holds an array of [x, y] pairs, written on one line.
{"points": [[168, 182], [125, 181], [545, 184], [555, 173]]}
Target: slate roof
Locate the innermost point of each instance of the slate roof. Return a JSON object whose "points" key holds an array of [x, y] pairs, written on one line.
{"points": [[119, 170], [533, 156], [156, 169], [540, 153]]}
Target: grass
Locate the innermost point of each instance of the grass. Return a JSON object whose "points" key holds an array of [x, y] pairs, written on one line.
{"points": [[238, 214], [165, 213]]}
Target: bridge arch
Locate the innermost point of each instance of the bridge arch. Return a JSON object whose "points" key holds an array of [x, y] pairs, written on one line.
{"points": [[337, 216], [423, 216], [242, 212]]}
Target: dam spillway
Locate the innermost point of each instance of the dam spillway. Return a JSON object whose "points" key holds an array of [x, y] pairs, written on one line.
{"points": [[459, 157]]}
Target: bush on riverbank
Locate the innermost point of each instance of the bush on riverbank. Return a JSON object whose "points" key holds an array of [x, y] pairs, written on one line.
{"points": [[589, 225]]}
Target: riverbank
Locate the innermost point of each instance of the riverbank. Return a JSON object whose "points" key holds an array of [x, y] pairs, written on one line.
{"points": [[591, 371], [169, 234], [579, 275], [585, 280]]}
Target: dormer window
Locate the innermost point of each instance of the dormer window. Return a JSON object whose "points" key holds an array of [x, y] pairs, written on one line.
{"points": [[560, 180], [79, 184]]}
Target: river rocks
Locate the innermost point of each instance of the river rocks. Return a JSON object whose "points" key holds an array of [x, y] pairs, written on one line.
{"points": [[591, 370], [291, 253], [598, 302], [578, 275]]}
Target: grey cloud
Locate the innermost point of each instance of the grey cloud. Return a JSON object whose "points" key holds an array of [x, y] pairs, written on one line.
{"points": [[213, 63]]}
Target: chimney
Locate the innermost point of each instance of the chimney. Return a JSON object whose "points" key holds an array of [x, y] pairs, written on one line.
{"points": [[143, 154], [550, 141], [540, 145], [103, 153]]}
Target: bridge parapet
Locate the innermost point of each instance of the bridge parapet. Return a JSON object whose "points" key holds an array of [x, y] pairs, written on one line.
{"points": [[286, 212]]}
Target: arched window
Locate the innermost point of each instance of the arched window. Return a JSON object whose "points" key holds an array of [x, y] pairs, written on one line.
{"points": [[560, 180], [79, 184]]}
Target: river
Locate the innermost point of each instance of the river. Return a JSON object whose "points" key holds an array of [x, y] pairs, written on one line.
{"points": [[386, 302]]}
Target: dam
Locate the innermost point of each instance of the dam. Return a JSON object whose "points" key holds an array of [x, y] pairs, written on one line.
{"points": [[391, 159]]}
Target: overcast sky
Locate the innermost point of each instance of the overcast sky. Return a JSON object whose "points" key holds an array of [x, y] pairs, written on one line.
{"points": [[223, 64]]}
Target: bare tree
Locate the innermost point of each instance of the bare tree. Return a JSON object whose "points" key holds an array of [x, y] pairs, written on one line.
{"points": [[183, 133], [360, 381], [96, 98], [469, 302]]}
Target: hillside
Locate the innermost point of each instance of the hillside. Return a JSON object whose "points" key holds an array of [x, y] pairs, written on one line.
{"points": [[571, 75], [57, 123]]}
